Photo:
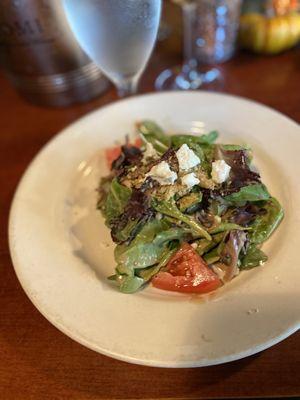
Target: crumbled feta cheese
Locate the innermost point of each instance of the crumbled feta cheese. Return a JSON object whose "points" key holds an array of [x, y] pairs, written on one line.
{"points": [[150, 152], [186, 158], [194, 245], [158, 216], [190, 180], [162, 173], [220, 171]]}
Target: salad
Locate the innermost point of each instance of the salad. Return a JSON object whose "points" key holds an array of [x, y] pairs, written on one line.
{"points": [[186, 214]]}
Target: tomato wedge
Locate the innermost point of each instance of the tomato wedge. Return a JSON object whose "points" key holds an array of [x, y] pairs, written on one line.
{"points": [[187, 272], [112, 153]]}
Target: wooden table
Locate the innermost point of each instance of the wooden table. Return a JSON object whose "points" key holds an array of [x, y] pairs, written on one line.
{"points": [[37, 362]]}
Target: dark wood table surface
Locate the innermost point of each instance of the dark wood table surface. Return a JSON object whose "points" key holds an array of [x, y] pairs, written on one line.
{"points": [[38, 362]]}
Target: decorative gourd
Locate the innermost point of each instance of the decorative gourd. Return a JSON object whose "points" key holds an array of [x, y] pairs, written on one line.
{"points": [[269, 35]]}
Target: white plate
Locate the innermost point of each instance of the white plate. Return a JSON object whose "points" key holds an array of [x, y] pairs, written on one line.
{"points": [[62, 251]]}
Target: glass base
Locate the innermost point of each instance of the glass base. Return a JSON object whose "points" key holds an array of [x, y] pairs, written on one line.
{"points": [[185, 78]]}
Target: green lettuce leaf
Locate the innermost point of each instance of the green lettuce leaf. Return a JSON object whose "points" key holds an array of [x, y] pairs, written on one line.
{"points": [[190, 140], [234, 147], [203, 245], [149, 231], [210, 137], [116, 201], [227, 226], [152, 133], [264, 225], [130, 284], [130, 280], [190, 202], [212, 256], [126, 280], [256, 192], [149, 245], [254, 257], [148, 273], [169, 208]]}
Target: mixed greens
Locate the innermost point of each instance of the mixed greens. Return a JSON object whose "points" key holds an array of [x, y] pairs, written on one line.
{"points": [[178, 202]]}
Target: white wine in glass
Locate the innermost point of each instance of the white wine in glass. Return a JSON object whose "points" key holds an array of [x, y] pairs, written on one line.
{"points": [[118, 35]]}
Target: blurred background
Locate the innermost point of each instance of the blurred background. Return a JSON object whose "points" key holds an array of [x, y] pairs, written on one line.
{"points": [[45, 64], [248, 48]]}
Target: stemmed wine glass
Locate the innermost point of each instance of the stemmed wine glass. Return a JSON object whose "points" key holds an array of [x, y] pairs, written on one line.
{"points": [[118, 35], [190, 75]]}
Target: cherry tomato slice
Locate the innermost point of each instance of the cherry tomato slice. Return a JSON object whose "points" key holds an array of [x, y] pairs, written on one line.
{"points": [[112, 153]]}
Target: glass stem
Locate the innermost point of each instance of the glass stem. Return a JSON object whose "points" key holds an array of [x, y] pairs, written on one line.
{"points": [[127, 87], [188, 13]]}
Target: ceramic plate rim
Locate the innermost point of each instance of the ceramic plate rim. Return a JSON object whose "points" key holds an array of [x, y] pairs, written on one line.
{"points": [[18, 267]]}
